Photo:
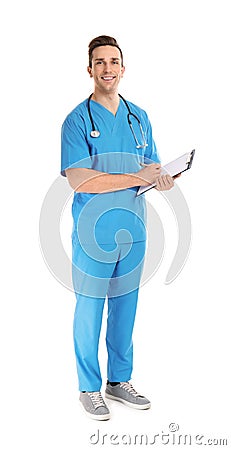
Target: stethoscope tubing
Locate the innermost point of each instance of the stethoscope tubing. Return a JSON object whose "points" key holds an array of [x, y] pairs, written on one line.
{"points": [[96, 133]]}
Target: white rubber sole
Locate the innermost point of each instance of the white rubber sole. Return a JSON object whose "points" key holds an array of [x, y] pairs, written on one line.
{"points": [[95, 416], [131, 405]]}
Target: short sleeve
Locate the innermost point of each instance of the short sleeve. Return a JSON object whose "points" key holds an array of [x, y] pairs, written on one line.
{"points": [[74, 146], [151, 154]]}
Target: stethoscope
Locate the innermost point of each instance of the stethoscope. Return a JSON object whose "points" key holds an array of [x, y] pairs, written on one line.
{"points": [[96, 133]]}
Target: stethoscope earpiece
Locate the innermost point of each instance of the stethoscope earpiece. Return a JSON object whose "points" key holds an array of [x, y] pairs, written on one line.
{"points": [[95, 133]]}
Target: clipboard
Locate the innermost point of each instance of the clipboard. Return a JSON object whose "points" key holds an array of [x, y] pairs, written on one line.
{"points": [[173, 168]]}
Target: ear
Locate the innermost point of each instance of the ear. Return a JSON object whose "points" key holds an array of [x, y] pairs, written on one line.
{"points": [[122, 71], [89, 69]]}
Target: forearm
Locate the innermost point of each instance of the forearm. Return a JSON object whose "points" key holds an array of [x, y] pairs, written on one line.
{"points": [[93, 182]]}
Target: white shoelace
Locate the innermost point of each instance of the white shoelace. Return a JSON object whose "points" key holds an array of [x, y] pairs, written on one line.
{"points": [[97, 399], [129, 388]]}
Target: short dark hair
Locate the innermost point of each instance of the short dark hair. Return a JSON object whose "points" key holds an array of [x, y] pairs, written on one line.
{"points": [[102, 41]]}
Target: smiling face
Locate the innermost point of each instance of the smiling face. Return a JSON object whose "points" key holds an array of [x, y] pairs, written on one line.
{"points": [[106, 69]]}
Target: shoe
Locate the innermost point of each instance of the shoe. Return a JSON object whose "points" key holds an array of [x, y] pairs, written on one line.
{"points": [[125, 393], [94, 405]]}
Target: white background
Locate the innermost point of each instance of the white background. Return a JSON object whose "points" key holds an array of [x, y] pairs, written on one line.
{"points": [[177, 58]]}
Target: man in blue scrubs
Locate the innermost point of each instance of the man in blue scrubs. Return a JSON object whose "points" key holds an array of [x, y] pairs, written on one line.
{"points": [[105, 158]]}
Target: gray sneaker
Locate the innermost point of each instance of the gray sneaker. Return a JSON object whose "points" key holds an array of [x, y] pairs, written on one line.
{"points": [[125, 393], [94, 405]]}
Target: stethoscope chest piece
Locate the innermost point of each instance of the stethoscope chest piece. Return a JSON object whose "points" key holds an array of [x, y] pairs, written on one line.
{"points": [[95, 133]]}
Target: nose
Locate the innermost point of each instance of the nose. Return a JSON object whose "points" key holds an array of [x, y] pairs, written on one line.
{"points": [[107, 67]]}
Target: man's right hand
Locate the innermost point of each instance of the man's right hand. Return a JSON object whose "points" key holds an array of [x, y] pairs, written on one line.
{"points": [[149, 173]]}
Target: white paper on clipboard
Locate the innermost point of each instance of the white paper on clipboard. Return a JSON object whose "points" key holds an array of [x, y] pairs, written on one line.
{"points": [[173, 168]]}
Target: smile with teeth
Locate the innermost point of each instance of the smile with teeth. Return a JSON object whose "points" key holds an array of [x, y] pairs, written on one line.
{"points": [[108, 78]]}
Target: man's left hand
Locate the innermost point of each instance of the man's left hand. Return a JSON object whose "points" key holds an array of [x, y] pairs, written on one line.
{"points": [[164, 183]]}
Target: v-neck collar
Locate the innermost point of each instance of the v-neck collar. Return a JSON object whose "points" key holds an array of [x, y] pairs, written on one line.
{"points": [[106, 109]]}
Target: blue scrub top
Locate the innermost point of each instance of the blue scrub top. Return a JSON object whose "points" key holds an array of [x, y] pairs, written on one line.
{"points": [[114, 217]]}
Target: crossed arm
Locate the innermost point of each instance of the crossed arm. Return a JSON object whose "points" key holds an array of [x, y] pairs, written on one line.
{"points": [[94, 182]]}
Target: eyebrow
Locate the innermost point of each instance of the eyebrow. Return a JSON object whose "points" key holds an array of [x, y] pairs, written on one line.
{"points": [[102, 59]]}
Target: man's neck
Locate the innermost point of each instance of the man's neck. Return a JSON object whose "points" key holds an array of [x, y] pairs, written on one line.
{"points": [[110, 101]]}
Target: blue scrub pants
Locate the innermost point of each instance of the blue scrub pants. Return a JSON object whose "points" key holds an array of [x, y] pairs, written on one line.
{"points": [[112, 273]]}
